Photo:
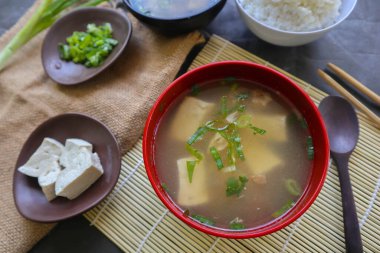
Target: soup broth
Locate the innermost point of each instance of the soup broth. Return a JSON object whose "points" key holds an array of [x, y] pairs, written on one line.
{"points": [[172, 8], [234, 155]]}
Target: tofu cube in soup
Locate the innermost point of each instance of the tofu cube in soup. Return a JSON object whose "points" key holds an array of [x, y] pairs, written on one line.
{"points": [[194, 193], [190, 115]]}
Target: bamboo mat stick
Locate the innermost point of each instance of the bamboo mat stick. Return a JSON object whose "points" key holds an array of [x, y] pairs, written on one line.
{"points": [[133, 212]]}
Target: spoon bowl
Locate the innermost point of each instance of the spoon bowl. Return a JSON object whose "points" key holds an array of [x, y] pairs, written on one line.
{"points": [[343, 131], [341, 123]]}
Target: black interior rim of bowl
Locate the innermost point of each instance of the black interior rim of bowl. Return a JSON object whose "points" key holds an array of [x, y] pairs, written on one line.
{"points": [[132, 8]]}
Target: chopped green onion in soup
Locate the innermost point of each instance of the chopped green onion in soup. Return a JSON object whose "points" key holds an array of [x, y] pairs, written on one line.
{"points": [[164, 186], [223, 106], [289, 204], [197, 135], [235, 186], [293, 187], [237, 224], [194, 152], [257, 130], [190, 169], [203, 220], [310, 148], [242, 96], [215, 154], [244, 121], [195, 89]]}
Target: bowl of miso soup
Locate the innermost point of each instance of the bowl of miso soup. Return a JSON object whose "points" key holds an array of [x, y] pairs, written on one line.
{"points": [[235, 149], [175, 16]]}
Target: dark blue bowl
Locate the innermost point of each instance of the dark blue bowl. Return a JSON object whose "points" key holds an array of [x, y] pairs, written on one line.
{"points": [[178, 25]]}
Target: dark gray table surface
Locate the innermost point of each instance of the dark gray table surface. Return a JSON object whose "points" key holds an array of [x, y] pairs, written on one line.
{"points": [[353, 45]]}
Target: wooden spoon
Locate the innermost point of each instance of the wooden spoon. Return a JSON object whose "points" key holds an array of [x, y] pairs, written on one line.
{"points": [[343, 130]]}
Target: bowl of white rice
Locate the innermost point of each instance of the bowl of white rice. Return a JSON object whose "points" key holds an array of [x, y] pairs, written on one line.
{"points": [[293, 22]]}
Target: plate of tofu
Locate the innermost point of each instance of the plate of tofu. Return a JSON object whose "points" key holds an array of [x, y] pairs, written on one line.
{"points": [[67, 165]]}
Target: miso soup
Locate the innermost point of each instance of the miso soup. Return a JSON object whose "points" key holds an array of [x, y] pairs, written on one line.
{"points": [[233, 154], [171, 8]]}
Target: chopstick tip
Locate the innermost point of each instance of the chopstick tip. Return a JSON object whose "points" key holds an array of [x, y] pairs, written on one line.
{"points": [[331, 65], [321, 72]]}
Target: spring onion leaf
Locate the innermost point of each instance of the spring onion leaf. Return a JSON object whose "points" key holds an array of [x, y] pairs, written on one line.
{"points": [[215, 154], [242, 96], [257, 130], [239, 148], [293, 187], [203, 220], [241, 108], [244, 121], [310, 148], [194, 152], [236, 140], [230, 154], [190, 169], [293, 119], [223, 106], [303, 123], [197, 135], [237, 226], [44, 16], [236, 185], [283, 209], [164, 186], [195, 89]]}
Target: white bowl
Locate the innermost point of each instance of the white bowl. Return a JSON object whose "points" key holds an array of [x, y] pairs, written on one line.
{"points": [[285, 38]]}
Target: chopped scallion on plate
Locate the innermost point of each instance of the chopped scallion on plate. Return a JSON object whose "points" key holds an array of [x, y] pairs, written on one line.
{"points": [[89, 48]]}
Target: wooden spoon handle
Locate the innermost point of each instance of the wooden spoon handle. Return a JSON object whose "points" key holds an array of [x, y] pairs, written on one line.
{"points": [[351, 226]]}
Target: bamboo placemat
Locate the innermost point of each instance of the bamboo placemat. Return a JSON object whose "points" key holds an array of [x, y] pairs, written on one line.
{"points": [[134, 218]]}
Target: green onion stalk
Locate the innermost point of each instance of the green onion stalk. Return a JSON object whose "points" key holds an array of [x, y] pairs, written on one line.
{"points": [[46, 14]]}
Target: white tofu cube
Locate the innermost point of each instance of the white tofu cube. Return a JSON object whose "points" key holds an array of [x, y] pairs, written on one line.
{"points": [[194, 193]]}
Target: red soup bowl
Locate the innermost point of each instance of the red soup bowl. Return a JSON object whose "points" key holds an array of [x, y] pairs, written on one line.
{"points": [[266, 77]]}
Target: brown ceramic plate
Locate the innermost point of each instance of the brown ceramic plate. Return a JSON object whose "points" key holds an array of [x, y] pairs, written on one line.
{"points": [[29, 198], [69, 73]]}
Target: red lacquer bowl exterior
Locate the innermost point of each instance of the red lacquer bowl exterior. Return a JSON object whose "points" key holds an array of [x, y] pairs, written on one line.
{"points": [[264, 76]]}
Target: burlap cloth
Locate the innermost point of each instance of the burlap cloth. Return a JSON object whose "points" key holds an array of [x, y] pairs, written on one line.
{"points": [[120, 97]]}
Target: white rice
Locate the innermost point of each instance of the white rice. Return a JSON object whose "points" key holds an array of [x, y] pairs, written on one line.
{"points": [[294, 15]]}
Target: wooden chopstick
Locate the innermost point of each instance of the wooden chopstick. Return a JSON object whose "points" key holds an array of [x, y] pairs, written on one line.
{"points": [[351, 80], [330, 81]]}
